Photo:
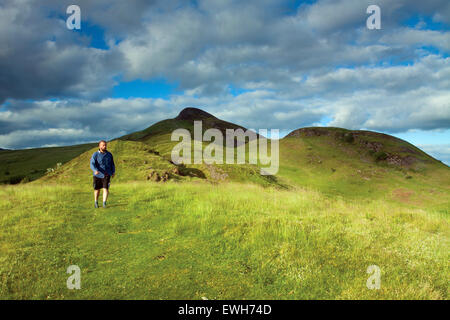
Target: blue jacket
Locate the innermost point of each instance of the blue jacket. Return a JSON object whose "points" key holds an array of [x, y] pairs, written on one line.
{"points": [[103, 163]]}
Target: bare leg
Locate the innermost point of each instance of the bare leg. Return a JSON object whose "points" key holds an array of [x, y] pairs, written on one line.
{"points": [[105, 194], [96, 194]]}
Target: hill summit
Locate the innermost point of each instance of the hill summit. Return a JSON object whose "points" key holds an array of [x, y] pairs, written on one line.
{"points": [[192, 114]]}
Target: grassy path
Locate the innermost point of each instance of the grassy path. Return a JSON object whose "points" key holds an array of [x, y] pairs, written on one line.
{"points": [[232, 241]]}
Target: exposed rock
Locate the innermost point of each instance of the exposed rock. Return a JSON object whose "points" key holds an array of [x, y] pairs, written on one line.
{"points": [[400, 161], [371, 145], [154, 176], [216, 173]]}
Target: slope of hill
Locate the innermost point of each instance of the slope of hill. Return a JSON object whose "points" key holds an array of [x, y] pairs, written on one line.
{"points": [[364, 164], [185, 119], [139, 161], [159, 134], [30, 164]]}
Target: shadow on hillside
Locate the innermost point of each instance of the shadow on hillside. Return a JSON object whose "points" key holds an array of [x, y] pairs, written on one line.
{"points": [[192, 172], [182, 170]]}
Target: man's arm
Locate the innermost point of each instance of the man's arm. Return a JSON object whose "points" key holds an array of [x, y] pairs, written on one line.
{"points": [[92, 164], [113, 167]]}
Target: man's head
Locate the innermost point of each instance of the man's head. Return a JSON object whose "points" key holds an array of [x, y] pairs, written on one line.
{"points": [[102, 146]]}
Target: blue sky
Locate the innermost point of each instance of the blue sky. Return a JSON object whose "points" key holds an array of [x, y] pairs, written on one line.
{"points": [[261, 64], [155, 88]]}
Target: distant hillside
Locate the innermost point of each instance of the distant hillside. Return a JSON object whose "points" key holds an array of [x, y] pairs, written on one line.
{"points": [[363, 164], [158, 136], [380, 146], [159, 133], [30, 164]]}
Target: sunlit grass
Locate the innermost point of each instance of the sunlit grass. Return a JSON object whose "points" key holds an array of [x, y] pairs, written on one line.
{"points": [[227, 241]]}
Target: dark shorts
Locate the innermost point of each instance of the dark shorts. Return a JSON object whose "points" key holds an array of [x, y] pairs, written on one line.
{"points": [[100, 183]]}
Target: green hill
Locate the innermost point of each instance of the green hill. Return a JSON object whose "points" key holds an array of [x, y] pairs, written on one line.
{"points": [[364, 164], [146, 155], [30, 164]]}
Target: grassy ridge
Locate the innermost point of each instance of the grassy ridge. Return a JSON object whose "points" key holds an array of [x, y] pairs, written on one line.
{"points": [[31, 164], [135, 160], [338, 168], [227, 241]]}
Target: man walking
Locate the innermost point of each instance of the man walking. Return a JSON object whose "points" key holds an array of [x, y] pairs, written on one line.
{"points": [[102, 165]]}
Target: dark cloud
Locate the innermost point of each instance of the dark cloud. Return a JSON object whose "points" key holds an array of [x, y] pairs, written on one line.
{"points": [[59, 122], [40, 58]]}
